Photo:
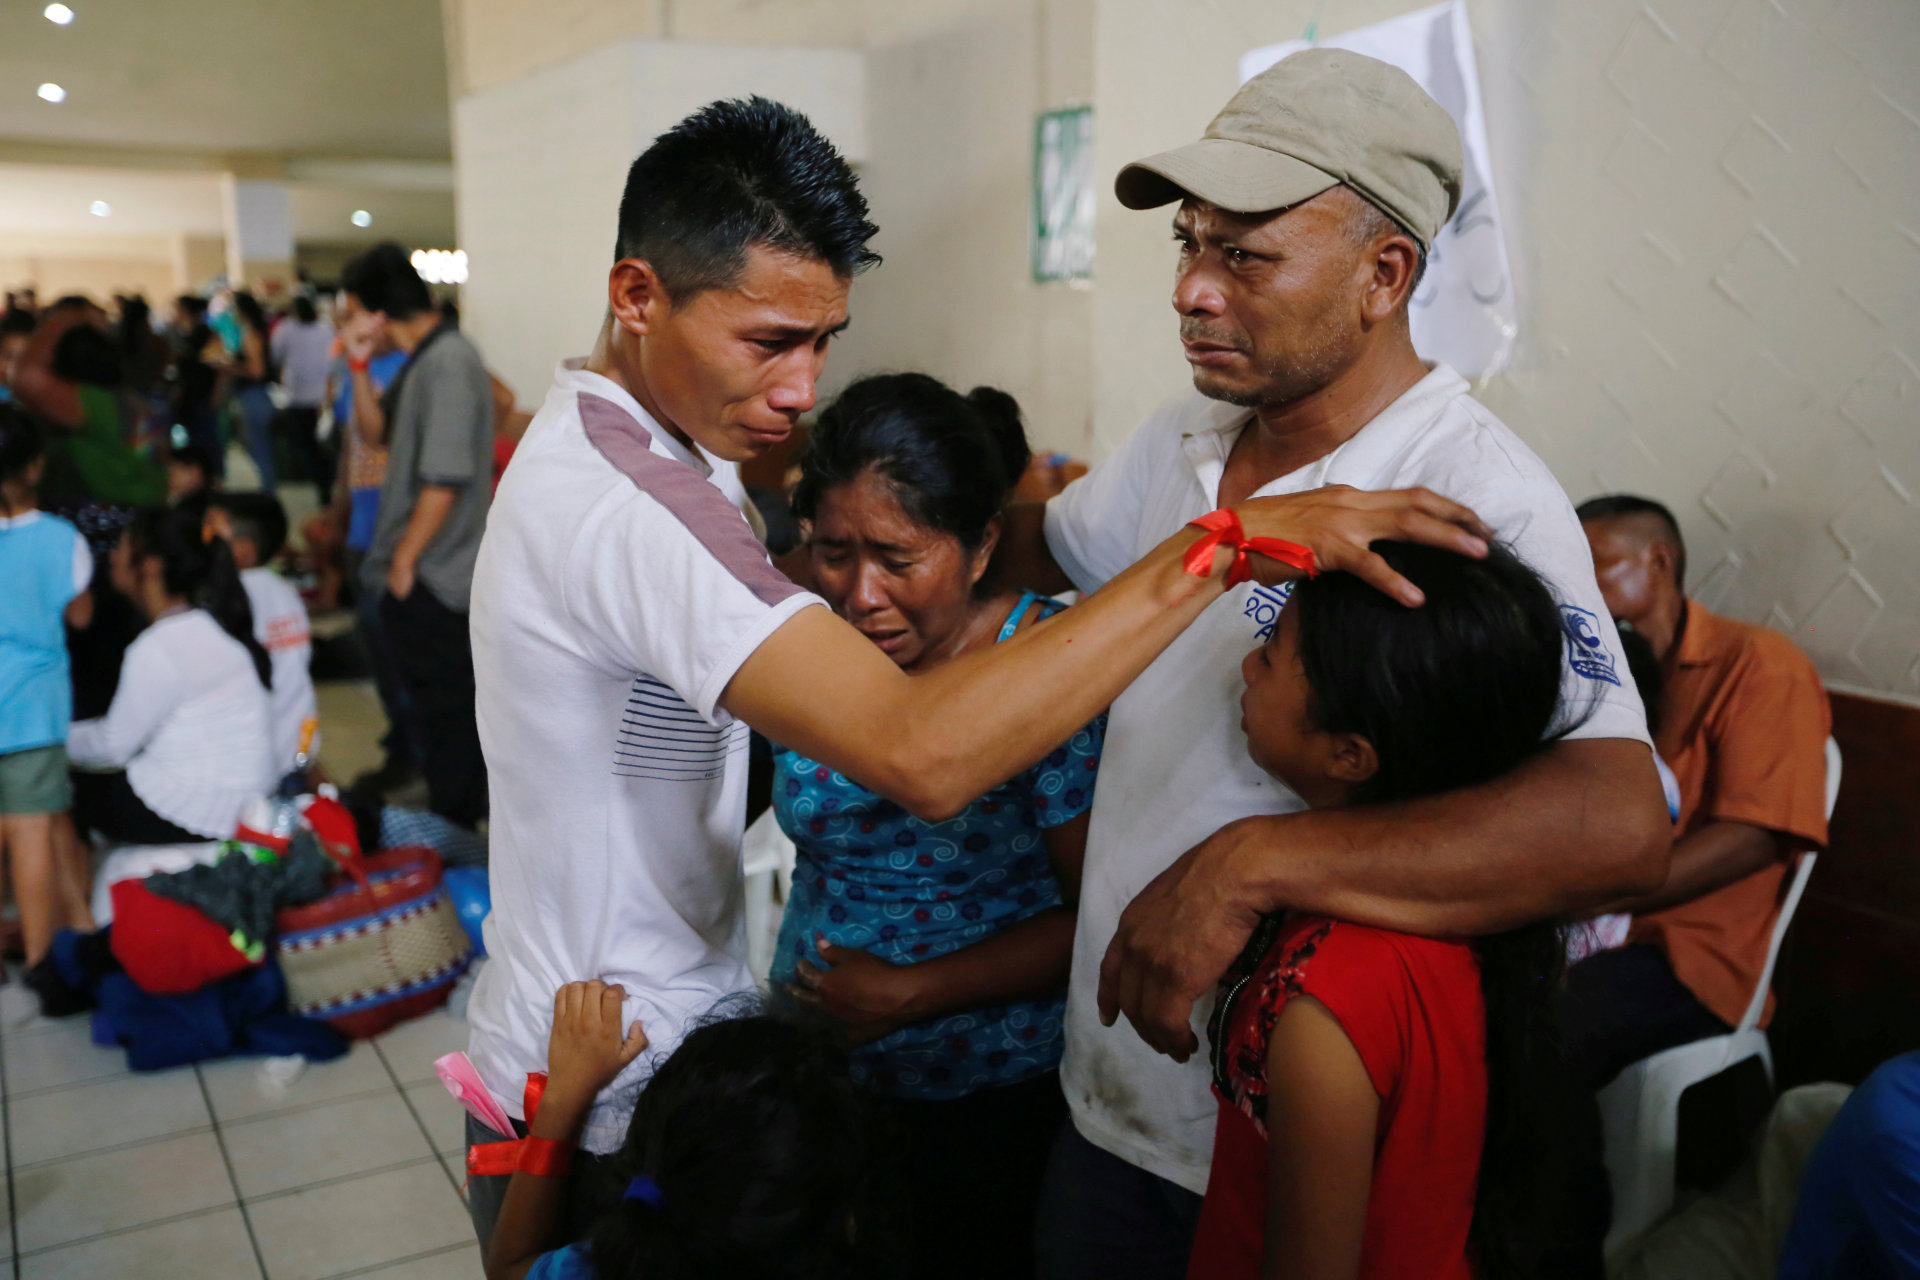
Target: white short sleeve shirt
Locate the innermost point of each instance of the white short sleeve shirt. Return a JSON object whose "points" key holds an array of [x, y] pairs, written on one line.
{"points": [[617, 591], [1176, 767], [280, 625]]}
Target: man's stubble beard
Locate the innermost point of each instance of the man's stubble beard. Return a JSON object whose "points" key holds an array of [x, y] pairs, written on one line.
{"points": [[1283, 381]]}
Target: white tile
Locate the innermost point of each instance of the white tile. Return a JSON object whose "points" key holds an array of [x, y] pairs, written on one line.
{"points": [[412, 1047], [105, 1113], [20, 1008], [241, 1087], [54, 1053], [455, 1264], [456, 1166], [76, 1199], [446, 1119], [212, 1246], [345, 1226], [299, 1148]]}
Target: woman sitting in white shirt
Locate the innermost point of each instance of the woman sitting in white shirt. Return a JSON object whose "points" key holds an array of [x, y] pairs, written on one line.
{"points": [[186, 741]]}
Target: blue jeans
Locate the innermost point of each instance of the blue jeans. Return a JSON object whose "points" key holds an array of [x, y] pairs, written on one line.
{"points": [[256, 407], [1102, 1218]]}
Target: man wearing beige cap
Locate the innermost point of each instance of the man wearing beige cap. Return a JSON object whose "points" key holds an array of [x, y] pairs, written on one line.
{"points": [[1304, 220]]}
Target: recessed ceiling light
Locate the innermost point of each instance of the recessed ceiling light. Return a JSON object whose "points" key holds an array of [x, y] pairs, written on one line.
{"points": [[361, 218], [100, 209], [58, 14], [52, 93]]}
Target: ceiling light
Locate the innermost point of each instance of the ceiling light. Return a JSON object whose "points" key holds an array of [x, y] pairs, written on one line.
{"points": [[440, 266], [100, 209], [58, 14], [52, 93], [361, 218]]}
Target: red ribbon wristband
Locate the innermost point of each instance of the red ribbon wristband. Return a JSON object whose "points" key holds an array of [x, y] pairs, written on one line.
{"points": [[1222, 528], [542, 1157]]}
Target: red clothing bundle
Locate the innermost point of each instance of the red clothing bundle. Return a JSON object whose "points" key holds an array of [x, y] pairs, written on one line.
{"points": [[1412, 1008]]}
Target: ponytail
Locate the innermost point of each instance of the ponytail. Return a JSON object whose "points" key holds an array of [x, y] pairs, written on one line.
{"points": [[221, 595], [203, 570], [1001, 414]]}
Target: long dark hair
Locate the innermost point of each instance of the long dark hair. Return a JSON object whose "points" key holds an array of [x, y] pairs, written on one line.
{"points": [[201, 569], [762, 1153], [1455, 693], [952, 459], [20, 447], [251, 313]]}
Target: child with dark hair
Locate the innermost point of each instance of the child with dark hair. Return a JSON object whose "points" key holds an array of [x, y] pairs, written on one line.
{"points": [[185, 743], [190, 473], [1382, 1096], [46, 566], [747, 1156], [255, 526]]}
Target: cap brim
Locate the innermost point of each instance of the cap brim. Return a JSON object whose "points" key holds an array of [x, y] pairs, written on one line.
{"points": [[1237, 176]]}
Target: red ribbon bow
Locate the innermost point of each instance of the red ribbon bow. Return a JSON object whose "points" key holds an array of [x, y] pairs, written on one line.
{"points": [[543, 1157], [1223, 529]]}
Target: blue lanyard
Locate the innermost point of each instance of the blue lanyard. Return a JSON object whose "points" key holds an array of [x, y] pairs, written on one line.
{"points": [[1019, 612]]}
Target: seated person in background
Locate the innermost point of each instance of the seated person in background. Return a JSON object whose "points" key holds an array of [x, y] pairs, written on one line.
{"points": [[1857, 1217], [255, 526], [1378, 1091], [185, 744], [749, 1154], [1743, 724], [189, 473], [941, 948]]}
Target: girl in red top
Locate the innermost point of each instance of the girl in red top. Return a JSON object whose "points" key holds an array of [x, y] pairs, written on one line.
{"points": [[1377, 1090]]}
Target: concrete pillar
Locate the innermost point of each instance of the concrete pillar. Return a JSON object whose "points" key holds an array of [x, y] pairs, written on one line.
{"points": [[259, 236], [196, 261]]}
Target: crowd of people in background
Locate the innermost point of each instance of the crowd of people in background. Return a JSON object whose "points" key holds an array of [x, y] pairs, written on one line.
{"points": [[157, 673]]}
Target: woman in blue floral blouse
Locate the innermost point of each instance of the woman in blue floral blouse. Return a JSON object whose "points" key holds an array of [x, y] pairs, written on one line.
{"points": [[941, 948]]}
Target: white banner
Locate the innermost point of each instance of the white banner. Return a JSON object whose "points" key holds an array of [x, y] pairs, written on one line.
{"points": [[1463, 312]]}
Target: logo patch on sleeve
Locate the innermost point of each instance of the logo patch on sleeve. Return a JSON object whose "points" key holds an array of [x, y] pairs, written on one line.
{"points": [[1586, 653], [1264, 605]]}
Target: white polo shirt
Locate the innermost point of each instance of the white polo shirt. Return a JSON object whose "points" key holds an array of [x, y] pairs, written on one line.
{"points": [[1176, 767], [617, 590]]}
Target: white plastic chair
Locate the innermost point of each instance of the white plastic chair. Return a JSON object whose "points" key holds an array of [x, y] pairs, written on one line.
{"points": [[766, 860], [1640, 1109]]}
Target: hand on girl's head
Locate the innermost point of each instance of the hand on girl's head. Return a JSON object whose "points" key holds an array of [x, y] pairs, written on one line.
{"points": [[586, 1050]]}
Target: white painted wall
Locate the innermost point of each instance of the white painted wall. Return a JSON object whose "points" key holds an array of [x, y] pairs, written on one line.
{"points": [[950, 185]]}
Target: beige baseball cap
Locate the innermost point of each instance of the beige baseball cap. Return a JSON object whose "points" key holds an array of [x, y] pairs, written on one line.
{"points": [[1309, 122]]}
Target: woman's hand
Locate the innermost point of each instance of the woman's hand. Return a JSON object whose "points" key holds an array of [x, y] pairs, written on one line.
{"points": [[586, 1050], [867, 996]]}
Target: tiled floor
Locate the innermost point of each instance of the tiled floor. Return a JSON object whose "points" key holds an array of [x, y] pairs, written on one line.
{"points": [[217, 1171]]}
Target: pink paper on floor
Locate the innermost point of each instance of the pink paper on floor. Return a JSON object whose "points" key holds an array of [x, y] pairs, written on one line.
{"points": [[463, 1082]]}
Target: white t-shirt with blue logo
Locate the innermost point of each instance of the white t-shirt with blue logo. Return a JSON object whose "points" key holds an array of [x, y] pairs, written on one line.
{"points": [[1176, 767]]}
